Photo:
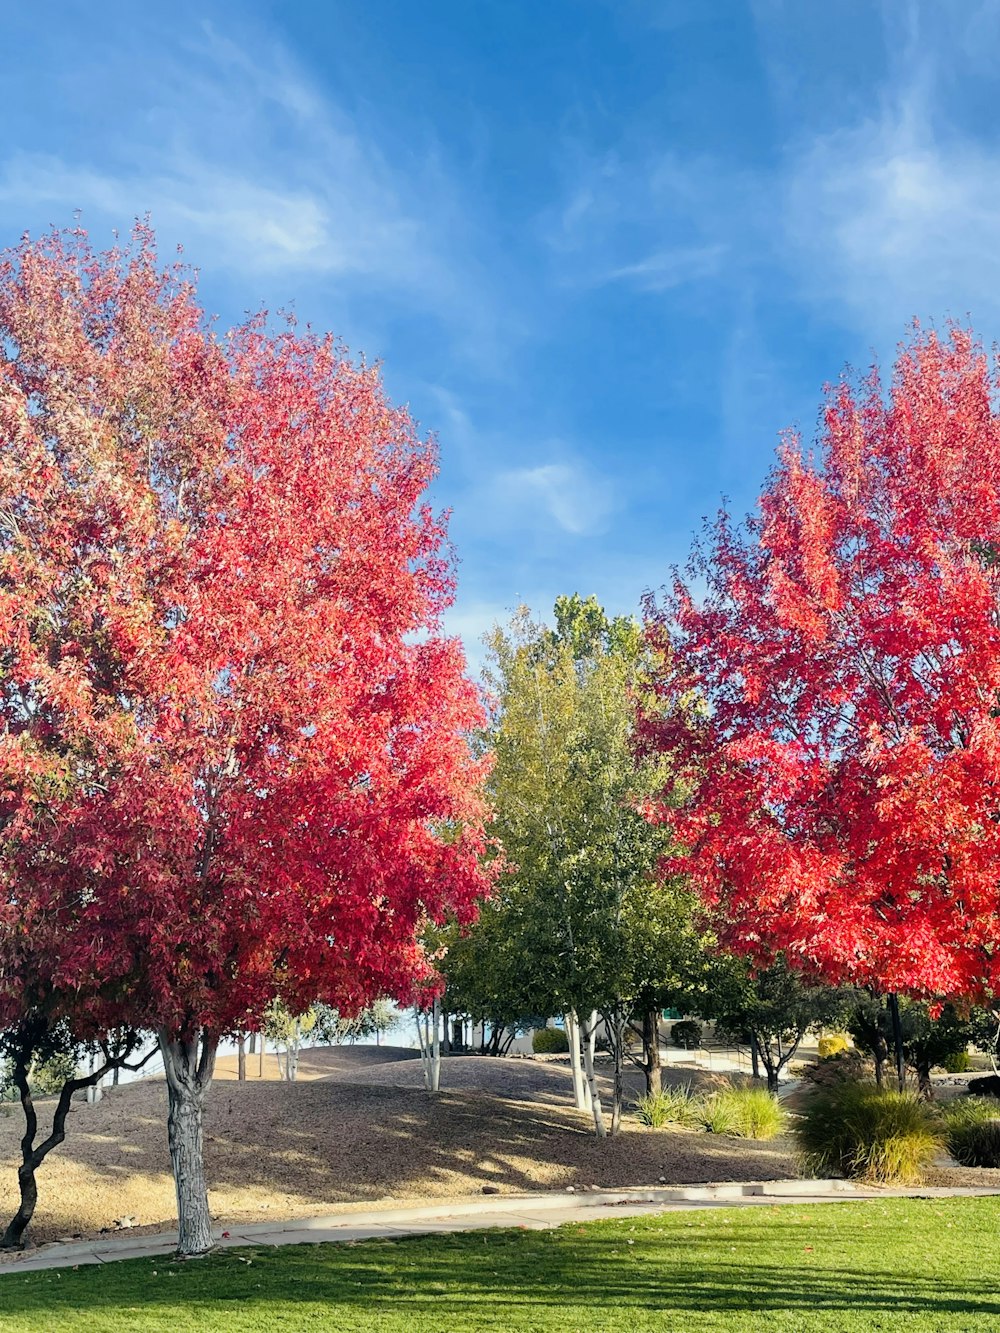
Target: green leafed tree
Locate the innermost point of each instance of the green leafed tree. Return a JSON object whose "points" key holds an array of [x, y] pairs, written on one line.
{"points": [[333, 1028], [582, 921], [769, 1009], [288, 1031]]}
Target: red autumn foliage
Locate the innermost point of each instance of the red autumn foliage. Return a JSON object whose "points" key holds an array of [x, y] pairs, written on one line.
{"points": [[234, 758], [836, 689]]}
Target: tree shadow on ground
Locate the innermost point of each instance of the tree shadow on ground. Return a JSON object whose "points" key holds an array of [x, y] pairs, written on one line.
{"points": [[315, 1146], [827, 1267]]}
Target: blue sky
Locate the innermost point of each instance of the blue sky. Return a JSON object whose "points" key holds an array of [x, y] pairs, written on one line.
{"points": [[605, 249]]}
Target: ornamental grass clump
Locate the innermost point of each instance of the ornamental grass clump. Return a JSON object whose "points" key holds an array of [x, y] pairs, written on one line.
{"points": [[879, 1137], [972, 1131], [743, 1113], [679, 1107]]}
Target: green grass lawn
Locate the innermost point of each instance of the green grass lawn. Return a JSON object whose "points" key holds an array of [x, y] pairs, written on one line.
{"points": [[887, 1264]]}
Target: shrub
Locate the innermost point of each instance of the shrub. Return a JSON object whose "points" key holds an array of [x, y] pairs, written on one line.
{"points": [[848, 1066], [959, 1062], [549, 1041], [972, 1132], [744, 1113], [670, 1106], [686, 1034], [833, 1045], [856, 1130]]}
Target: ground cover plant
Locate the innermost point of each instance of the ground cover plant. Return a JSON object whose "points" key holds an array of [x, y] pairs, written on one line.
{"points": [[679, 1106], [972, 1131], [880, 1264], [866, 1133], [745, 1113]]}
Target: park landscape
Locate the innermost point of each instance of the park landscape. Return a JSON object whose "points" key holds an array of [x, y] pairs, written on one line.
{"points": [[615, 945]]}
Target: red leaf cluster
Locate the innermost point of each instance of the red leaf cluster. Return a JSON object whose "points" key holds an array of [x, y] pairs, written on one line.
{"points": [[234, 755], [835, 694]]}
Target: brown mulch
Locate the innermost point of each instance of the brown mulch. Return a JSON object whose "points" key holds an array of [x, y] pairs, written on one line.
{"points": [[358, 1131]]}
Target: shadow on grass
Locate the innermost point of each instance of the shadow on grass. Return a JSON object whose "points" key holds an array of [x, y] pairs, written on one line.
{"points": [[912, 1259]]}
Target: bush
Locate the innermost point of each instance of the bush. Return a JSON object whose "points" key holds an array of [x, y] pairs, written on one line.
{"points": [[832, 1046], [744, 1113], [848, 1066], [686, 1035], [959, 1062], [972, 1132], [671, 1106], [549, 1041], [857, 1131]]}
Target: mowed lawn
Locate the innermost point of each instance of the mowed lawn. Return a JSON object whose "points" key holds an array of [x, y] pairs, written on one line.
{"points": [[886, 1264]]}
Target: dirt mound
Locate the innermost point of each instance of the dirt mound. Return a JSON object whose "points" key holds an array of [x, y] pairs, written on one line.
{"points": [[316, 1062], [293, 1150]]}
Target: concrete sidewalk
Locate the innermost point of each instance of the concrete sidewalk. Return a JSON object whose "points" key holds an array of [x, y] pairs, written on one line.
{"points": [[536, 1212]]}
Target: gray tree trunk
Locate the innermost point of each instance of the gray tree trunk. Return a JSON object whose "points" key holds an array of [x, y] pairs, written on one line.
{"points": [[241, 1060], [619, 1057], [188, 1065], [436, 1048], [581, 1093], [430, 1045], [651, 1041], [587, 1031]]}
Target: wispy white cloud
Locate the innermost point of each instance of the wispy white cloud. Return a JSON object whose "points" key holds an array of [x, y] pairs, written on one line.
{"points": [[250, 165], [651, 218], [253, 226], [568, 494], [893, 218], [663, 270]]}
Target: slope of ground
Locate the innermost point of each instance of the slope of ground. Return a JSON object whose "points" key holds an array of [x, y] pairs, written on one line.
{"points": [[361, 1132], [317, 1062]]}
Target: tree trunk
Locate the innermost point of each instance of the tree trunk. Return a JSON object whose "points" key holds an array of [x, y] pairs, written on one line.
{"points": [[33, 1156], [924, 1085], [619, 1057], [879, 1068], [581, 1097], [430, 1045], [436, 1047], [18, 1225], [241, 1060], [188, 1065], [754, 1057], [587, 1033], [651, 1065], [897, 1041], [252, 1047]]}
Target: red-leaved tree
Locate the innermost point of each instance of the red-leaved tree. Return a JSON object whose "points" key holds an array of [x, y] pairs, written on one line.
{"points": [[234, 753], [836, 682]]}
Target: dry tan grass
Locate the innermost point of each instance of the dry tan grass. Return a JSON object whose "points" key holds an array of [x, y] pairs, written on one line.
{"points": [[358, 1130]]}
